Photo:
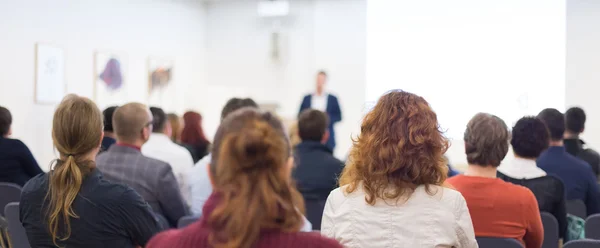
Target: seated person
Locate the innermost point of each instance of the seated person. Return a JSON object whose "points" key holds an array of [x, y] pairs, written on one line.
{"points": [[17, 164], [317, 170], [124, 163], [530, 138], [109, 134], [499, 209], [577, 176], [192, 136], [254, 202], [392, 193], [73, 205], [575, 124]]}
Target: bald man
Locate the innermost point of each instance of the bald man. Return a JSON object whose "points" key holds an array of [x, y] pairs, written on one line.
{"points": [[124, 163]]}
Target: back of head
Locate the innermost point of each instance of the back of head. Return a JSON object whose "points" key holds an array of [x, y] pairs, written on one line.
{"points": [[129, 122], [159, 119], [250, 168], [555, 121], [5, 121], [237, 103], [575, 120], [192, 129], [108, 115], [486, 140], [530, 137], [175, 127], [400, 147], [312, 125], [76, 134]]}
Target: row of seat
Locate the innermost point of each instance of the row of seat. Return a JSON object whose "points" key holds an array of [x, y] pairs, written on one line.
{"points": [[485, 242]]}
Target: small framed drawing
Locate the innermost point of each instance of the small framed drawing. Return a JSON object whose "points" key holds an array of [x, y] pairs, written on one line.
{"points": [[160, 81], [110, 79], [50, 85]]}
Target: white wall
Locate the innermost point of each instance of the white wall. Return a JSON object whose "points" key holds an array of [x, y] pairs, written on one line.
{"points": [[173, 29]]}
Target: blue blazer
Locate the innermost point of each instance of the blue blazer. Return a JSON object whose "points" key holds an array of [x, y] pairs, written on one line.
{"points": [[333, 111]]}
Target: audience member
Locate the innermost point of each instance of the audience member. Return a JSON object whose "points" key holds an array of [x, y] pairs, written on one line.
{"points": [[498, 208], [109, 134], [317, 170], [17, 164], [578, 178], [176, 127], [575, 125], [392, 194], [323, 101], [124, 163], [72, 205], [192, 136], [254, 203], [530, 138], [160, 147]]}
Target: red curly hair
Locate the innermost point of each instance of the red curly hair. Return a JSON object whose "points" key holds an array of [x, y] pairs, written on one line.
{"points": [[400, 148]]}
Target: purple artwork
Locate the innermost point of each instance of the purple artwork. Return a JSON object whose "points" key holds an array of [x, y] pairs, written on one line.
{"points": [[111, 74]]}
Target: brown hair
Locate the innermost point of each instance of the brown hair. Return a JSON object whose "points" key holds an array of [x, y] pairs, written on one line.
{"points": [[399, 148], [129, 120], [176, 127], [76, 131], [249, 169], [486, 140], [312, 125]]}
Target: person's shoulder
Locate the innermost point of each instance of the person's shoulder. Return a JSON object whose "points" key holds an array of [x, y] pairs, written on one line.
{"points": [[155, 162], [175, 236], [15, 144], [36, 184], [314, 239]]}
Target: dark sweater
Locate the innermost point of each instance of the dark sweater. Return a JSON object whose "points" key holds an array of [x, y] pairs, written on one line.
{"points": [[196, 235], [17, 164], [576, 147]]}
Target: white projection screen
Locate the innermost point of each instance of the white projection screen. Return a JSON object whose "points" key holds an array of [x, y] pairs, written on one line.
{"points": [[466, 56]]}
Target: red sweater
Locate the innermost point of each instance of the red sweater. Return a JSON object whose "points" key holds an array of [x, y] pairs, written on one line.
{"points": [[196, 236]]}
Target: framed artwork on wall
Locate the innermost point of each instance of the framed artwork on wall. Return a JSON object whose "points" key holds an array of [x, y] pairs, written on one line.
{"points": [[110, 78], [50, 83], [161, 88]]}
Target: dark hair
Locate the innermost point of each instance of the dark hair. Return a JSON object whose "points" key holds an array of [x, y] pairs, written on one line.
{"points": [[237, 103], [108, 116], [555, 121], [159, 119], [193, 133], [312, 125], [575, 120], [5, 121], [400, 147], [322, 72], [530, 137], [486, 140]]}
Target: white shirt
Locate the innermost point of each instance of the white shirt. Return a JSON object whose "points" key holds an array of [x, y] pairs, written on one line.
{"points": [[319, 102], [424, 220], [160, 147], [521, 168]]}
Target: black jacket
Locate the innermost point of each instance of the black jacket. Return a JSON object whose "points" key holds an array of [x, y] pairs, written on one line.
{"points": [[576, 147], [549, 192]]}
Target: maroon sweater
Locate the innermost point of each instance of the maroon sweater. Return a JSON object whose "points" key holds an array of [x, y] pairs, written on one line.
{"points": [[196, 236]]}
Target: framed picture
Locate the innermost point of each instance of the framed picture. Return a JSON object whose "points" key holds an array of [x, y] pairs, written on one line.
{"points": [[50, 84], [110, 79], [160, 81]]}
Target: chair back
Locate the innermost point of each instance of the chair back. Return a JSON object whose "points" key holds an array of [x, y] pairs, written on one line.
{"points": [[582, 243], [186, 221], [577, 208], [551, 235], [592, 227], [486, 242], [9, 192], [314, 212], [16, 232]]}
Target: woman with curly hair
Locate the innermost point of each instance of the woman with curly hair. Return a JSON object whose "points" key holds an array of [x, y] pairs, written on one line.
{"points": [[392, 193]]}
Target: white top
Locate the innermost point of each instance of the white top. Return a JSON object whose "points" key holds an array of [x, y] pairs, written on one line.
{"points": [[319, 102], [521, 168], [200, 185], [424, 220], [160, 147]]}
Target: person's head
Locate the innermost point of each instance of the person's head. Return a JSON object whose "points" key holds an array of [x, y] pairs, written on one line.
{"points": [[555, 121], [160, 123], [133, 123], [530, 137], [5, 122], [251, 166], [176, 127], [575, 121], [321, 81], [77, 136], [486, 140], [108, 115], [400, 147], [192, 129], [237, 103], [312, 126]]}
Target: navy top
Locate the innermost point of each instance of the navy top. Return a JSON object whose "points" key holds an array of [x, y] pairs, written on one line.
{"points": [[577, 176], [17, 164], [107, 142], [110, 215]]}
